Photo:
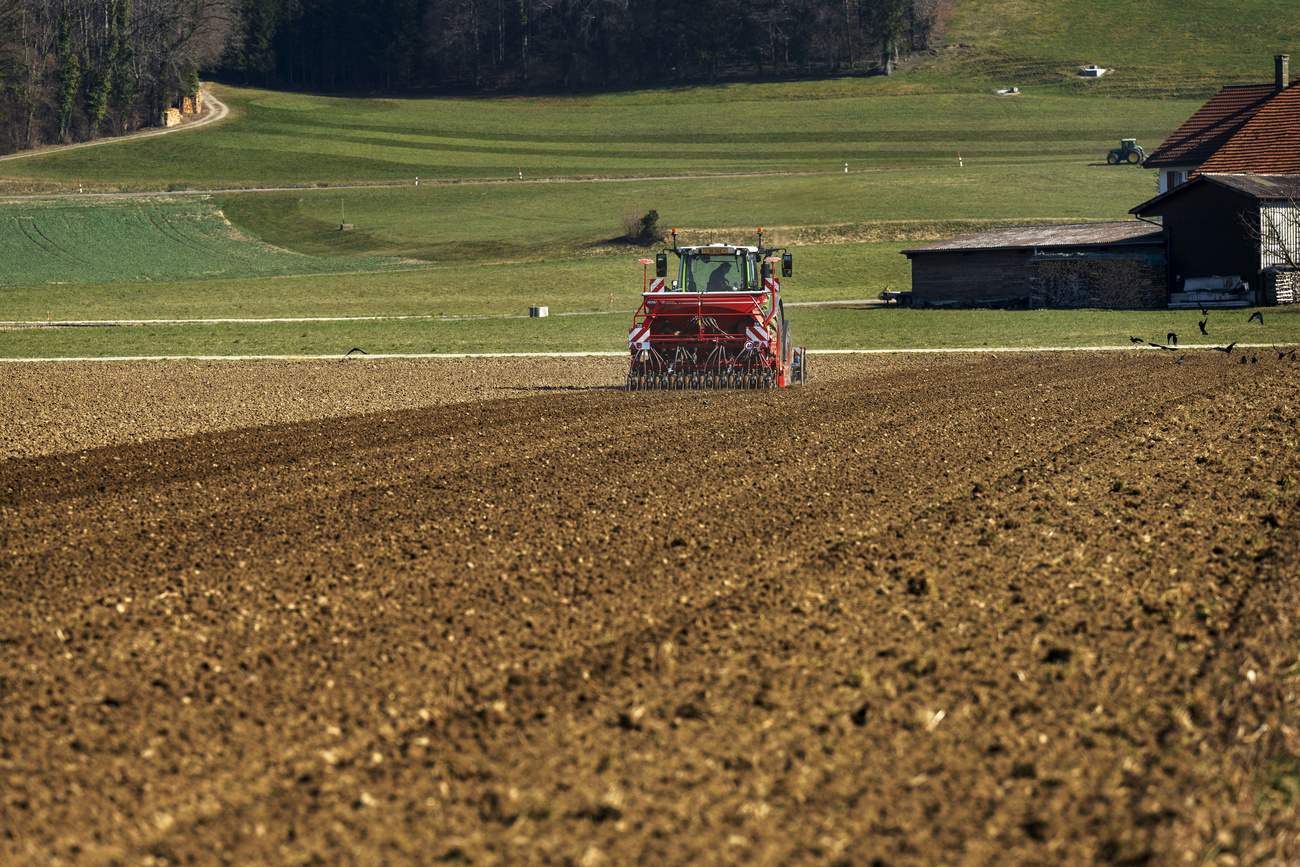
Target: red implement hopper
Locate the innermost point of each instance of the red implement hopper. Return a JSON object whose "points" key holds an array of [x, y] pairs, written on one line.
{"points": [[720, 324]]}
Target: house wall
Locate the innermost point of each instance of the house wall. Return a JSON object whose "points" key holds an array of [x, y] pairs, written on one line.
{"points": [[1207, 235], [969, 277]]}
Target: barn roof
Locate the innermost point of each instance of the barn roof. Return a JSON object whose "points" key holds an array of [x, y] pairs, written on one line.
{"points": [[1268, 144], [1127, 232], [1211, 126], [1262, 187]]}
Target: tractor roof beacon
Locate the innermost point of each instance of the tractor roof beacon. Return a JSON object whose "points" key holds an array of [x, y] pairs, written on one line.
{"points": [[720, 324]]}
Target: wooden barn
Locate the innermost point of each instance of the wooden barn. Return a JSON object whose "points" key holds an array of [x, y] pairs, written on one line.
{"points": [[1112, 265], [1216, 224]]}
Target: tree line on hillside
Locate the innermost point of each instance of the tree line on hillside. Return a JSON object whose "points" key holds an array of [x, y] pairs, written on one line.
{"points": [[74, 69], [71, 70], [332, 45]]}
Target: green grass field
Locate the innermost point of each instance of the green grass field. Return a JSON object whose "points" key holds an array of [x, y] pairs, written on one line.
{"points": [[820, 329], [472, 241], [1158, 48], [276, 140], [499, 222]]}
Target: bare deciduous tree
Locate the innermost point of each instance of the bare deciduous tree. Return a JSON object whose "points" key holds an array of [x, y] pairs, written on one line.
{"points": [[68, 64]]}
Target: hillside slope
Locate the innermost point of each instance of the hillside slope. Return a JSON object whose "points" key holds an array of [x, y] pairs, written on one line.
{"points": [[1162, 48]]}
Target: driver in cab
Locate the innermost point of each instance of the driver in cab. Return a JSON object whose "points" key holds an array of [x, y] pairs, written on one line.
{"points": [[718, 279]]}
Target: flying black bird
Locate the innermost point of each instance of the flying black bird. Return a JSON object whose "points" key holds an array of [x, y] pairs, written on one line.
{"points": [[1204, 312], [1161, 345], [1171, 339], [355, 349], [1202, 324], [1258, 314], [1136, 340], [1281, 353], [1227, 349]]}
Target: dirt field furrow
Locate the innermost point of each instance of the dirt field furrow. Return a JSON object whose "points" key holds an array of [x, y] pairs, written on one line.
{"points": [[928, 610]]}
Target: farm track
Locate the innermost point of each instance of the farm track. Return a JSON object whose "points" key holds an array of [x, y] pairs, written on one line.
{"points": [[1032, 609]]}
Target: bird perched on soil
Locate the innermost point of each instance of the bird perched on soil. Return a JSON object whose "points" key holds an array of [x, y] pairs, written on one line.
{"points": [[1258, 314]]}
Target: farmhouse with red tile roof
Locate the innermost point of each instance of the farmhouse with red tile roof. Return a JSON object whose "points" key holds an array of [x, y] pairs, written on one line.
{"points": [[1269, 143], [1232, 219], [1214, 126], [1229, 235]]}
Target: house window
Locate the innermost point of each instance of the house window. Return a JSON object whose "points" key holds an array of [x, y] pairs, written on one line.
{"points": [[1173, 179]]}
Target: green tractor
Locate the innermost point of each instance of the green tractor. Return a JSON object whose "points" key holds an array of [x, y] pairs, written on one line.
{"points": [[1129, 151]]}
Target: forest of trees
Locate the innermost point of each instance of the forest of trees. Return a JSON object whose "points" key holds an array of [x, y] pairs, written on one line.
{"points": [[72, 70]]}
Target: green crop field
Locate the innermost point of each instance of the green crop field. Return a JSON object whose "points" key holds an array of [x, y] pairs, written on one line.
{"points": [[155, 239], [471, 240]]}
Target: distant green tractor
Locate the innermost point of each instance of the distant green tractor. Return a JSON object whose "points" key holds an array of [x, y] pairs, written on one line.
{"points": [[1128, 152]]}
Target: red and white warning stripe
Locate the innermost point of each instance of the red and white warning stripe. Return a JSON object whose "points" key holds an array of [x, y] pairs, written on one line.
{"points": [[657, 285], [639, 338]]}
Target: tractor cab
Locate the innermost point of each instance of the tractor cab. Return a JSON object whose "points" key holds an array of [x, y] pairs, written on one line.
{"points": [[718, 269], [722, 268]]}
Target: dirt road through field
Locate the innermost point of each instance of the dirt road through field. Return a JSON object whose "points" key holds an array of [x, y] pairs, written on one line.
{"points": [[978, 610], [214, 111]]}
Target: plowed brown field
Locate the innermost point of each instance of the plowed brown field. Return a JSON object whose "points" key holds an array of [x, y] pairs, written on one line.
{"points": [[1031, 609]]}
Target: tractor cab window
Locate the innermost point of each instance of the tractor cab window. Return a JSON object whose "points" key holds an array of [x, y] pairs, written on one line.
{"points": [[717, 273]]}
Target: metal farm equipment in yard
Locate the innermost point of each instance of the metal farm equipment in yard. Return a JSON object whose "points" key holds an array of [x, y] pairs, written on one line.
{"points": [[1129, 151], [720, 324]]}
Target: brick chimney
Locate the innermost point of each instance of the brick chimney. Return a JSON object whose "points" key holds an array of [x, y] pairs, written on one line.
{"points": [[1280, 76]]}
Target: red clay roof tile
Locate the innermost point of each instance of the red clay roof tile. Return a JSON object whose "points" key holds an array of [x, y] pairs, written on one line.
{"points": [[1211, 127], [1269, 143]]}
